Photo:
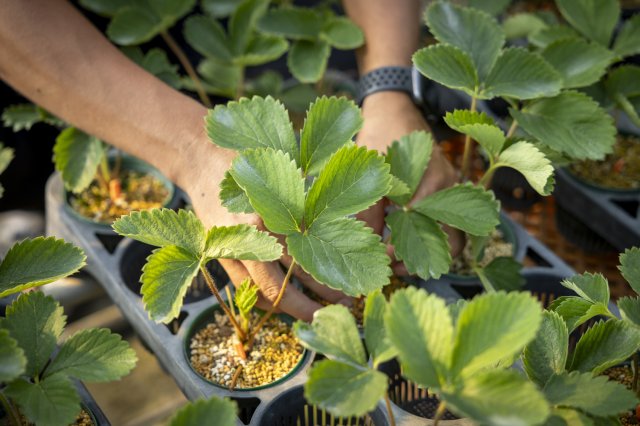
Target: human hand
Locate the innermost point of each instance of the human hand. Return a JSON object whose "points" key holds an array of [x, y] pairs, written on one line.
{"points": [[387, 117], [200, 179]]}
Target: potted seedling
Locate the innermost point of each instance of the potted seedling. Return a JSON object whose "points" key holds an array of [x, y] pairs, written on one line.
{"points": [[37, 380], [571, 378], [185, 248], [345, 384], [461, 354]]}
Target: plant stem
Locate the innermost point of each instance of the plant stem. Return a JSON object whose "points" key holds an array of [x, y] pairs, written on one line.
{"points": [[512, 129], [104, 169], [212, 286], [439, 412], [230, 299], [466, 156], [636, 373], [273, 308], [117, 165], [486, 179], [235, 377], [9, 409], [241, 84], [392, 420], [175, 48]]}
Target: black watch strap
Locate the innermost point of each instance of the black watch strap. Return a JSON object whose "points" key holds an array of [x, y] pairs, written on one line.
{"points": [[400, 79]]}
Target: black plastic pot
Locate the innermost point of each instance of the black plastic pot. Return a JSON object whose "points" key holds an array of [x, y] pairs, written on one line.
{"points": [[103, 229], [291, 408]]}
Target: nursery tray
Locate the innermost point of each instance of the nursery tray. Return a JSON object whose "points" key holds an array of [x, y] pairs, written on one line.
{"points": [[90, 404], [613, 215], [167, 342]]}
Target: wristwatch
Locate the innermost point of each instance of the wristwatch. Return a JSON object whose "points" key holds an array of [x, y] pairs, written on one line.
{"points": [[399, 79]]}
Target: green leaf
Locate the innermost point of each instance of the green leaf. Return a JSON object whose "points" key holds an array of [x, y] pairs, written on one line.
{"points": [[502, 273], [217, 78], [576, 311], [592, 287], [241, 242], [246, 297], [35, 321], [275, 187], [595, 19], [299, 97], [375, 335], [604, 345], [579, 62], [547, 354], [219, 8], [262, 49], [546, 36], [466, 206], [77, 155], [420, 243], [94, 355], [202, 412], [626, 43], [330, 124], [521, 74], [399, 192], [630, 267], [157, 63], [419, 326], [333, 333], [207, 37], [353, 179], [233, 197], [522, 25], [630, 309], [448, 66], [53, 401], [268, 83], [6, 155], [408, 159], [344, 390], [341, 33], [133, 25], [295, 23], [165, 279], [242, 23], [307, 60], [571, 123], [480, 127], [498, 397], [536, 168], [106, 8], [597, 396], [491, 327], [492, 7], [252, 123], [21, 117], [474, 32], [13, 362], [164, 227], [342, 254], [36, 262]]}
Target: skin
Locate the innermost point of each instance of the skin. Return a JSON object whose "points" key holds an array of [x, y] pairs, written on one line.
{"points": [[392, 30]]}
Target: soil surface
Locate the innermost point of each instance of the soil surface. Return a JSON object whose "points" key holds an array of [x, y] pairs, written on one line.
{"points": [[275, 353], [619, 170], [623, 374], [139, 192]]}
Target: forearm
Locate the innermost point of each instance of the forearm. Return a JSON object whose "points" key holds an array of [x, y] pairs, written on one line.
{"points": [[55, 57], [391, 29]]}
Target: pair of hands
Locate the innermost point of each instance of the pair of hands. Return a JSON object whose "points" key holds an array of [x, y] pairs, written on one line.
{"points": [[387, 117]]}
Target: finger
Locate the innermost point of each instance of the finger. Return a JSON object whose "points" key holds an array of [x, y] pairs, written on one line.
{"points": [[399, 269], [238, 273], [326, 293], [269, 277]]}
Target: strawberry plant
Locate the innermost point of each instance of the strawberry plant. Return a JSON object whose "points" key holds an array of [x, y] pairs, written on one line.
{"points": [[37, 381], [306, 193], [462, 353], [6, 155], [202, 412], [571, 381], [345, 384], [471, 57]]}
